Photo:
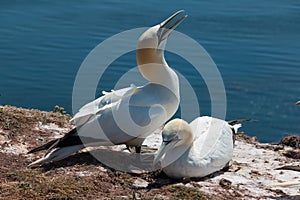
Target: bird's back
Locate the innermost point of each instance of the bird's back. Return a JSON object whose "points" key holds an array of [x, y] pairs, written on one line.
{"points": [[211, 150], [130, 116]]}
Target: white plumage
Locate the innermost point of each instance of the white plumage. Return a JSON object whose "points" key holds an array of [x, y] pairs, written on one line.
{"points": [[129, 115], [197, 149]]}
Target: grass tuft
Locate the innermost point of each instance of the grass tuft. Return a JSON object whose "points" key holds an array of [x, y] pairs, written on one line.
{"points": [[33, 183], [183, 192]]}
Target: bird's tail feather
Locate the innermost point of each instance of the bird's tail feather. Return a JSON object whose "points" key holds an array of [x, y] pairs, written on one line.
{"points": [[56, 155], [43, 147], [237, 121], [236, 127], [66, 140]]}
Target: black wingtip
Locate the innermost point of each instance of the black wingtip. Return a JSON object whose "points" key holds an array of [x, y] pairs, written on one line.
{"points": [[237, 121], [66, 140], [43, 147]]}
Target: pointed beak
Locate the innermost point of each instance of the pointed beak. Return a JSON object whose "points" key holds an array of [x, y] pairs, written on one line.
{"points": [[297, 103], [161, 152], [167, 26]]}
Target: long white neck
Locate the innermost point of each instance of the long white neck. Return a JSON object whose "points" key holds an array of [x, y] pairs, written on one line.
{"points": [[154, 68]]}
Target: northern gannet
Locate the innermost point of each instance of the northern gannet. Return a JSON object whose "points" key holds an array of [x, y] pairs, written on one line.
{"points": [[129, 115], [197, 149]]}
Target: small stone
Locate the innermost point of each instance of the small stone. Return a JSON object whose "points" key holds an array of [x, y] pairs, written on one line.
{"points": [[224, 183], [186, 180], [253, 139], [140, 183], [255, 172], [291, 140], [278, 147], [278, 191], [295, 153]]}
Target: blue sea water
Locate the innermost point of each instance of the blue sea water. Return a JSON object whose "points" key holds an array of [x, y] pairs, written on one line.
{"points": [[255, 45]]}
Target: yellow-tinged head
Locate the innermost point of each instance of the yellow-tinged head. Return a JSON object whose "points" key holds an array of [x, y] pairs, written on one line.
{"points": [[152, 42], [176, 133]]}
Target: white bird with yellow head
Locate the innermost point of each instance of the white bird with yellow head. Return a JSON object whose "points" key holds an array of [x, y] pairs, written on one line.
{"points": [[197, 149], [129, 115]]}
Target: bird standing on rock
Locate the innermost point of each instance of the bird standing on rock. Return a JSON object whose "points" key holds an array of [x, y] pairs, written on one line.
{"points": [[129, 115]]}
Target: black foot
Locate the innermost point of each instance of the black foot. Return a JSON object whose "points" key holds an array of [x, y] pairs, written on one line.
{"points": [[138, 149]]}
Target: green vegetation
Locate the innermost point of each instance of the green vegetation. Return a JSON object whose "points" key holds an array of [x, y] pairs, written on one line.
{"points": [[33, 183], [80, 177], [18, 120], [240, 133], [59, 109], [183, 192]]}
